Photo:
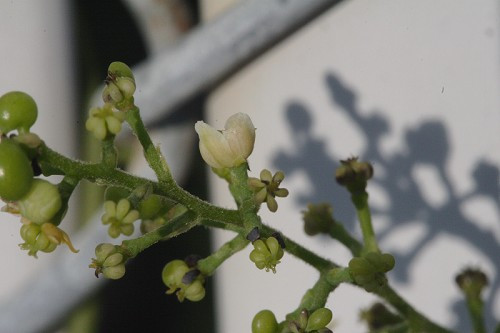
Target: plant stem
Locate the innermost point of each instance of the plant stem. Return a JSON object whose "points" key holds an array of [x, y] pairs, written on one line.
{"points": [[301, 252], [175, 227], [53, 163], [244, 197], [475, 307], [208, 265], [338, 232], [109, 154], [416, 321], [152, 154], [314, 298], [360, 200]]}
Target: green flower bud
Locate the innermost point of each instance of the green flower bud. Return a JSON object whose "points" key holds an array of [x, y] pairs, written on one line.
{"points": [[108, 261], [106, 120], [114, 272], [266, 254], [195, 291], [472, 281], [354, 174], [319, 319], [45, 238], [173, 273], [120, 217], [368, 271], [264, 322], [192, 288], [318, 219], [41, 203], [150, 207], [118, 69]]}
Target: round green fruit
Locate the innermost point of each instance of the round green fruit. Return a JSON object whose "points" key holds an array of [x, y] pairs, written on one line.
{"points": [[41, 203], [16, 173], [18, 111], [264, 322]]}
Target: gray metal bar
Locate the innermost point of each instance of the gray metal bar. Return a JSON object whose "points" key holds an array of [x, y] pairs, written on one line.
{"points": [[218, 48]]}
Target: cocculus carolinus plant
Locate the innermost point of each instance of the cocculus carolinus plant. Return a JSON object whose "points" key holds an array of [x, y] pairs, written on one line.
{"points": [[164, 210]]}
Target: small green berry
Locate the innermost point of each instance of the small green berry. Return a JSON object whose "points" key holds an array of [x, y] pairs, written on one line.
{"points": [[41, 203], [16, 172], [264, 322], [18, 111]]}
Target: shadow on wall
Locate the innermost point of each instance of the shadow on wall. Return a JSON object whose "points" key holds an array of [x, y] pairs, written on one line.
{"points": [[426, 145]]}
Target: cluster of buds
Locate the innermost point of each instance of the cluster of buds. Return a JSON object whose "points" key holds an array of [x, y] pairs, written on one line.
{"points": [[120, 83], [184, 280], [109, 261], [120, 217], [472, 281], [104, 121], [316, 322], [45, 237], [318, 219], [230, 147], [267, 253], [368, 271], [354, 174], [267, 188]]}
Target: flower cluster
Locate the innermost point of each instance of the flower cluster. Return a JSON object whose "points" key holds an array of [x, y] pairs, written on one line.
{"points": [[368, 271], [267, 188], [120, 217], [104, 121], [316, 322], [186, 282], [109, 261], [267, 253], [45, 237]]}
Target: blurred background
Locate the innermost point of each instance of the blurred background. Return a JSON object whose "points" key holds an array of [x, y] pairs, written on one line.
{"points": [[410, 86]]}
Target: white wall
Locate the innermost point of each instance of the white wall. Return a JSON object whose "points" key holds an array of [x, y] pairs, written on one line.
{"points": [[36, 57], [425, 76]]}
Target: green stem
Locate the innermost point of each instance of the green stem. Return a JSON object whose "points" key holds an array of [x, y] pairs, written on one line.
{"points": [[301, 252], [109, 153], [396, 328], [475, 307], [338, 275], [53, 163], [338, 232], [416, 321], [209, 264], [244, 197], [360, 200], [152, 154], [314, 298], [175, 227]]}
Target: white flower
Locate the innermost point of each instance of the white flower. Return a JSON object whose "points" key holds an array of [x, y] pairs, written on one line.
{"points": [[230, 147]]}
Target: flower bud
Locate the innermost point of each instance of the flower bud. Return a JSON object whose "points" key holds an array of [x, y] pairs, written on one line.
{"points": [[109, 261], [230, 147], [319, 319]]}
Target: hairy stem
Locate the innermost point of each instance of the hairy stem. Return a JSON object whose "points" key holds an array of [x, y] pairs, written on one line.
{"points": [[360, 200], [175, 227], [208, 265]]}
